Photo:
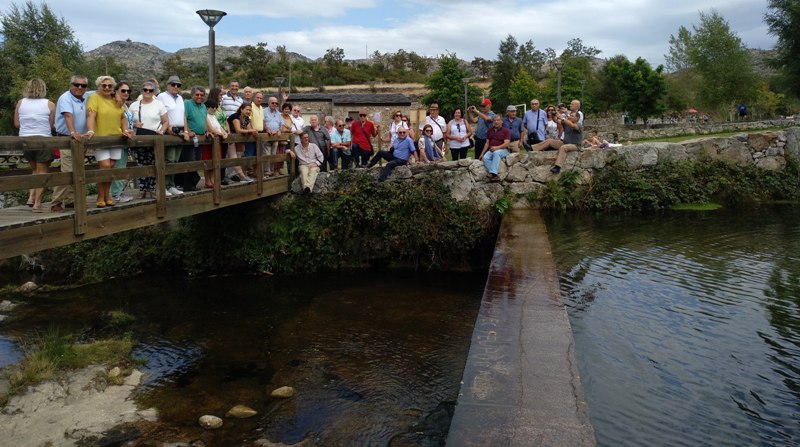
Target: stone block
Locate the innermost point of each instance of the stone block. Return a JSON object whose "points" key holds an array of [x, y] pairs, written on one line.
{"points": [[771, 163], [761, 141], [517, 173]]}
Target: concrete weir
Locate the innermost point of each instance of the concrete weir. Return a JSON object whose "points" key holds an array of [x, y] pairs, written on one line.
{"points": [[521, 385]]}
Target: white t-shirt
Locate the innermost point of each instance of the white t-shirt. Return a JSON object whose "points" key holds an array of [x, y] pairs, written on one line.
{"points": [[457, 129], [438, 124], [148, 114]]}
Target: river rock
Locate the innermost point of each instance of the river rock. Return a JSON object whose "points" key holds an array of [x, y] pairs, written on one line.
{"points": [[241, 412], [283, 392], [6, 306], [210, 422], [28, 287]]}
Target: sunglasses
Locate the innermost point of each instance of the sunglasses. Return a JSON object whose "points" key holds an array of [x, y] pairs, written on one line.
{"points": [[148, 90], [107, 85], [429, 130], [401, 133], [398, 115], [340, 125], [77, 85], [362, 114], [174, 84], [125, 90]]}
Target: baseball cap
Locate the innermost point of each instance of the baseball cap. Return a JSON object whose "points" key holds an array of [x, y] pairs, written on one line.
{"points": [[511, 109], [486, 102]]}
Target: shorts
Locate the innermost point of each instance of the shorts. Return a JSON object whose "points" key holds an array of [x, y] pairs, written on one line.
{"points": [[108, 154], [39, 156]]}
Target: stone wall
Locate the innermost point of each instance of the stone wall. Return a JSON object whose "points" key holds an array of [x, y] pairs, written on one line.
{"points": [[522, 173], [641, 132]]}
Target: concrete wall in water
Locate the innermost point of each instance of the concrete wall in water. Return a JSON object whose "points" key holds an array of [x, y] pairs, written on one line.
{"points": [[525, 172]]}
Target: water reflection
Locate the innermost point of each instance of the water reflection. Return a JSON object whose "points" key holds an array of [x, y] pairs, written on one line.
{"points": [[686, 324], [375, 361]]}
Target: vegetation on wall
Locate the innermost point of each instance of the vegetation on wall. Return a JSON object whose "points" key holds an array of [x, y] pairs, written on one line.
{"points": [[365, 224], [669, 183]]}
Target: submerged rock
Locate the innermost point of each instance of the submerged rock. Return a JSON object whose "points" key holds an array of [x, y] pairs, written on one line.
{"points": [[6, 306], [210, 422], [283, 392], [28, 287], [241, 412]]}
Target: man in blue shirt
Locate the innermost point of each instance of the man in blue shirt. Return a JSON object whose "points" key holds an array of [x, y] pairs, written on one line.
{"points": [[535, 123], [514, 125], [70, 122], [484, 119], [403, 149]]}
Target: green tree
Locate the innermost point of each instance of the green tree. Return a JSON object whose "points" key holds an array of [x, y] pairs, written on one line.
{"points": [[640, 89], [446, 85], [35, 43], [718, 58], [530, 59], [783, 19], [333, 59], [505, 69], [482, 67], [253, 65], [523, 88]]}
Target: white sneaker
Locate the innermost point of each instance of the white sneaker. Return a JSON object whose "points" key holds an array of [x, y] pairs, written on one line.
{"points": [[247, 179], [167, 193], [122, 198], [175, 191]]}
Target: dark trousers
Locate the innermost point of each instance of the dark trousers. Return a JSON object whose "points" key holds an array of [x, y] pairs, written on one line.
{"points": [[189, 179], [346, 158], [393, 162], [361, 155], [333, 159], [459, 152], [479, 144]]}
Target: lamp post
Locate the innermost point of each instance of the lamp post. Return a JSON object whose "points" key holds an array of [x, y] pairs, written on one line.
{"points": [[466, 81], [583, 83], [559, 64], [211, 17]]}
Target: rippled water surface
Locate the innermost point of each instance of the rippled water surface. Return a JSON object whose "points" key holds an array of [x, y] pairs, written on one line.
{"points": [[376, 358], [687, 325]]}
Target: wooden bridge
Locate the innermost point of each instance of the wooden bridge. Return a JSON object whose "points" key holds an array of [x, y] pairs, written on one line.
{"points": [[25, 232]]}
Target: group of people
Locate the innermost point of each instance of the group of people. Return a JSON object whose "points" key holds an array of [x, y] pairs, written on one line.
{"points": [[318, 146]]}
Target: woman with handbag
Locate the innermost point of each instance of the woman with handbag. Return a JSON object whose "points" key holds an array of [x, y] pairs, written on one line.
{"points": [[457, 135], [149, 118]]}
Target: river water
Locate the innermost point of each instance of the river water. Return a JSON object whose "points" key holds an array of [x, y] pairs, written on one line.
{"points": [[687, 324], [376, 358]]}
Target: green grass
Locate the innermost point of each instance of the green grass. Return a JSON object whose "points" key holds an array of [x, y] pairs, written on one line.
{"points": [[52, 352], [696, 207], [682, 138]]}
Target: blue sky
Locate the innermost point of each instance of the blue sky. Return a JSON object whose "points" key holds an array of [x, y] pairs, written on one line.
{"points": [[469, 28]]}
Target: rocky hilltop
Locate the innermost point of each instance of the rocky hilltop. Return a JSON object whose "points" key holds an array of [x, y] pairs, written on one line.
{"points": [[144, 60]]}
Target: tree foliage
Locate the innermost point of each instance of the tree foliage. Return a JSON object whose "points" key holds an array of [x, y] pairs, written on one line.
{"points": [[719, 59], [505, 69], [640, 89], [523, 88], [446, 85], [783, 19]]}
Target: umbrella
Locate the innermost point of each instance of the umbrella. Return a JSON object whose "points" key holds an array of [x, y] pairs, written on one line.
{"points": [[692, 110]]}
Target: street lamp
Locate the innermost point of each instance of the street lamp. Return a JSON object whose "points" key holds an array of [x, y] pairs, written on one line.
{"points": [[466, 81], [583, 83], [211, 17], [559, 64]]}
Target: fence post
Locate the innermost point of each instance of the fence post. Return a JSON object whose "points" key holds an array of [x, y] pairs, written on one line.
{"points": [[215, 157], [161, 183], [79, 184], [258, 171]]}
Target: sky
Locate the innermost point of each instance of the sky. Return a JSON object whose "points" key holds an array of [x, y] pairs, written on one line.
{"points": [[468, 28]]}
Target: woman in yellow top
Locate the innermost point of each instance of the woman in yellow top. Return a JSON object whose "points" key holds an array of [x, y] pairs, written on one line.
{"points": [[106, 118]]}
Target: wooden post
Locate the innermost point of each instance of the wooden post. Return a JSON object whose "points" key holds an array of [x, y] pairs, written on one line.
{"points": [[79, 185], [161, 183], [258, 171], [215, 156]]}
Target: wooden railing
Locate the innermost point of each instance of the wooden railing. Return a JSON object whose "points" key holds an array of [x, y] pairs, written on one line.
{"points": [[88, 223]]}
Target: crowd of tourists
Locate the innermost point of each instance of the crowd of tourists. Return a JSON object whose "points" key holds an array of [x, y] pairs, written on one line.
{"points": [[322, 144]]}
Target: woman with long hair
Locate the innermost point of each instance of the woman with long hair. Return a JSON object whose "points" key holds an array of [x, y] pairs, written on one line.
{"points": [[35, 115]]}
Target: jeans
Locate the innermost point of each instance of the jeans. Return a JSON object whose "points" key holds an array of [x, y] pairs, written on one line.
{"points": [[189, 179], [117, 186], [459, 152], [393, 162], [492, 160], [346, 158], [361, 155]]}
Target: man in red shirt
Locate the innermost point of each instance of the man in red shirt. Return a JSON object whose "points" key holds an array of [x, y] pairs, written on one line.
{"points": [[362, 132], [497, 140]]}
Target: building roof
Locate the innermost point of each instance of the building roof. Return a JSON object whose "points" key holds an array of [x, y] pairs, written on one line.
{"points": [[354, 98]]}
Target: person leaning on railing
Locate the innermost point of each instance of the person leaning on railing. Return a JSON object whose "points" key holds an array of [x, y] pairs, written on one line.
{"points": [[70, 122], [173, 101], [35, 115], [105, 118], [149, 118]]}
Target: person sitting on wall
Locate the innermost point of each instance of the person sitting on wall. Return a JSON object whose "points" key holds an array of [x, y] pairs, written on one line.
{"points": [[402, 149], [310, 158], [496, 148], [573, 133]]}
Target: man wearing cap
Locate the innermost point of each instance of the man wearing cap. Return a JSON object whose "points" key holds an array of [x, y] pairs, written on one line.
{"points": [[173, 101], [362, 132], [535, 123], [437, 123], [497, 140], [514, 126], [484, 119]]}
